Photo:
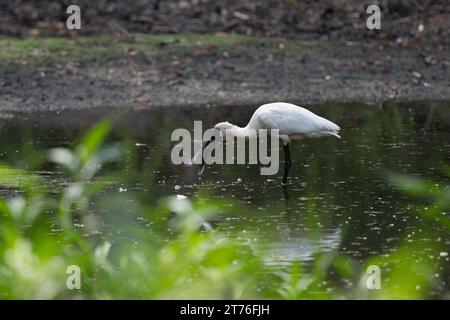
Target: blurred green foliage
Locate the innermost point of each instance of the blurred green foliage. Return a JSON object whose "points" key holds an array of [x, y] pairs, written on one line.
{"points": [[172, 252]]}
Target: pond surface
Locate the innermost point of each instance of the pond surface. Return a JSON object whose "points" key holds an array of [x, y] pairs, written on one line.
{"points": [[338, 197]]}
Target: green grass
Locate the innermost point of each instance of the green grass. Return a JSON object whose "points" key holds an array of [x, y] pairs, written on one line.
{"points": [[44, 51]]}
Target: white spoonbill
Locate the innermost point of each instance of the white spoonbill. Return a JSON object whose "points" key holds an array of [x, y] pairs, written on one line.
{"points": [[292, 121]]}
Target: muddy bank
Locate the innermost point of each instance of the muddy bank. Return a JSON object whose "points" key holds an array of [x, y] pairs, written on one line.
{"points": [[215, 70]]}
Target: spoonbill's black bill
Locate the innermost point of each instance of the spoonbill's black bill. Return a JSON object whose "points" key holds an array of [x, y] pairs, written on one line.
{"points": [[292, 121]]}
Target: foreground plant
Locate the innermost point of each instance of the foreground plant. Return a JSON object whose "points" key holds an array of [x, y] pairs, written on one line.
{"points": [[124, 247], [47, 229]]}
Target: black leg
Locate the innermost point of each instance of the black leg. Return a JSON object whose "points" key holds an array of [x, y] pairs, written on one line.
{"points": [[287, 162], [202, 168]]}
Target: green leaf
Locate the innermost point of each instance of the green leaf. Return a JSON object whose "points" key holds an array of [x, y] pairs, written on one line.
{"points": [[416, 186], [17, 178], [63, 157], [93, 139]]}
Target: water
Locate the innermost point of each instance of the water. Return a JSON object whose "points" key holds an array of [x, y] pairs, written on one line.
{"points": [[338, 198]]}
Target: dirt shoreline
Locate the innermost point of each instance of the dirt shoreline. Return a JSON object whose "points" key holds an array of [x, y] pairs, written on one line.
{"points": [[166, 71]]}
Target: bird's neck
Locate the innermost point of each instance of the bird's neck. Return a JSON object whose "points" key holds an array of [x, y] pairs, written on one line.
{"points": [[240, 132]]}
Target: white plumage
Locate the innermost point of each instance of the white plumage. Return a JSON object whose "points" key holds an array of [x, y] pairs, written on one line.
{"points": [[293, 122]]}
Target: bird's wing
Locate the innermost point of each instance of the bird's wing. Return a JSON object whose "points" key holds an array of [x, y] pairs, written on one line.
{"points": [[296, 121]]}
